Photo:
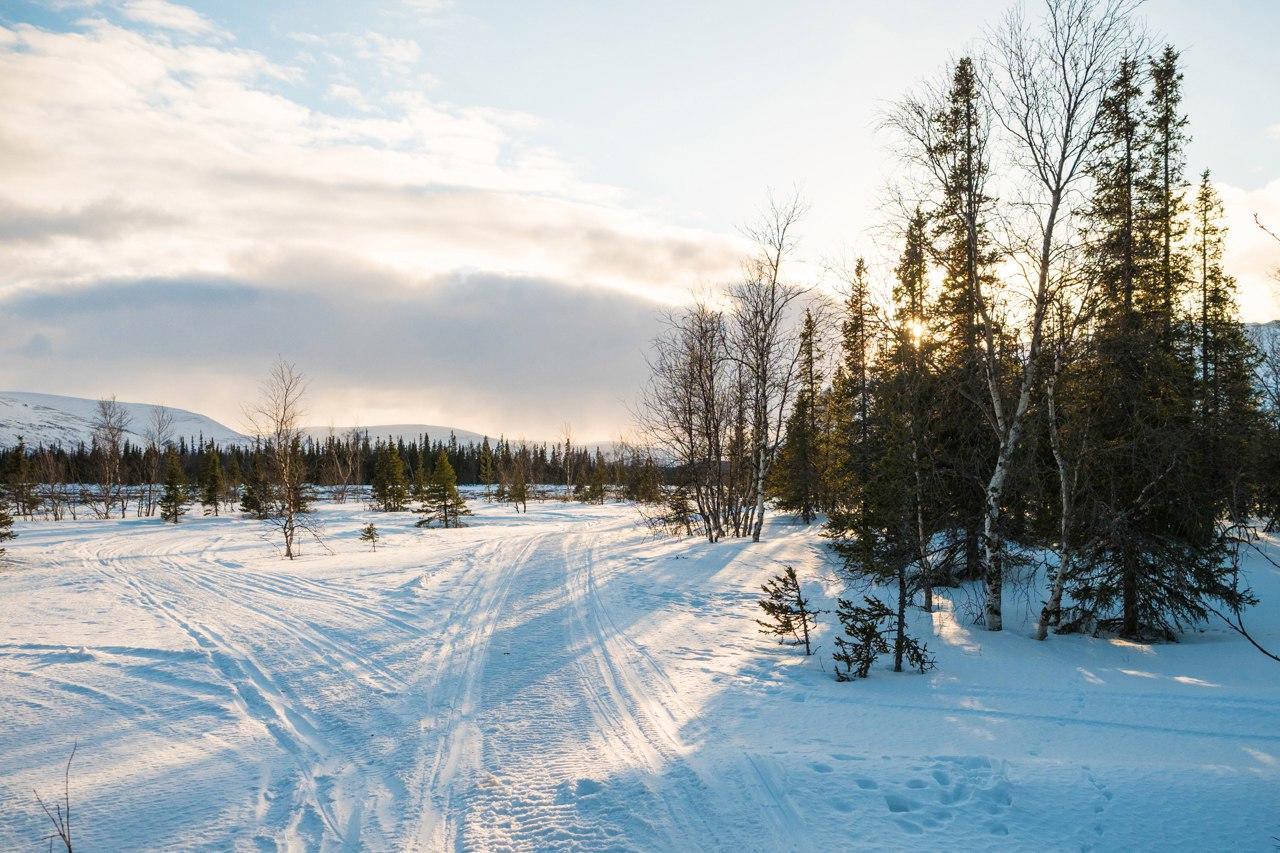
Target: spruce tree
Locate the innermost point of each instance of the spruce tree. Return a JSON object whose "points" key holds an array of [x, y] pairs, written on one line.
{"points": [[441, 501], [1155, 560], [867, 628], [6, 525], [174, 498], [390, 485], [797, 474], [967, 446], [419, 490], [787, 610], [518, 493], [20, 481], [214, 485], [486, 468], [369, 534], [851, 453]]}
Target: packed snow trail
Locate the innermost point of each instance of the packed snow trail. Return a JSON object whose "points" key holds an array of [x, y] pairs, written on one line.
{"points": [[565, 680]]}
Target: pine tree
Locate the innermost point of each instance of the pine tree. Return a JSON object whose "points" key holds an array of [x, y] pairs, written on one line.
{"points": [[486, 468], [20, 481], [797, 474], [390, 486], [6, 525], [214, 485], [441, 501], [851, 453], [1154, 559], [233, 480], [1227, 400], [419, 490], [518, 493], [369, 534], [867, 630], [787, 610], [966, 444], [596, 486], [173, 500]]}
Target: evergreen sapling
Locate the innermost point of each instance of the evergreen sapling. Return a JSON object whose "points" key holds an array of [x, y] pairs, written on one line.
{"points": [[787, 610]]}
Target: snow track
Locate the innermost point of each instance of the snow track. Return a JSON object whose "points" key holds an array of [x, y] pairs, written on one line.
{"points": [[563, 680]]}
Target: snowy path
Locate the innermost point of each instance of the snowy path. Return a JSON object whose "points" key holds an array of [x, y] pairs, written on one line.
{"points": [[562, 680]]}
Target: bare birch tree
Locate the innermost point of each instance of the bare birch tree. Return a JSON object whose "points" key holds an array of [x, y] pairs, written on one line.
{"points": [[765, 340], [110, 424], [1049, 83], [276, 418]]}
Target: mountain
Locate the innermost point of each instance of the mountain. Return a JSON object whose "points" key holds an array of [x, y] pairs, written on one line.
{"points": [[411, 432], [407, 432], [50, 419]]}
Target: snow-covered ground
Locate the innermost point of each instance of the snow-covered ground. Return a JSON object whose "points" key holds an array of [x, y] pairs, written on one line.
{"points": [[562, 679]]}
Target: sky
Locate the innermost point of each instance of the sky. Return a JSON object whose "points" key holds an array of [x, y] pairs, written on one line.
{"points": [[473, 213]]}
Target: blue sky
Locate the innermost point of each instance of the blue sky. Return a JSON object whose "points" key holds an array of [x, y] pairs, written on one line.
{"points": [[310, 151]]}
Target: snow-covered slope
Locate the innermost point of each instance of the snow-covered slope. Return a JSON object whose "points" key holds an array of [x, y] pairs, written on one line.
{"points": [[411, 432], [50, 419], [405, 432], [563, 680]]}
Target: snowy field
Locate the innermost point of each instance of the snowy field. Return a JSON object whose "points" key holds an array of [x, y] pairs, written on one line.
{"points": [[562, 679]]}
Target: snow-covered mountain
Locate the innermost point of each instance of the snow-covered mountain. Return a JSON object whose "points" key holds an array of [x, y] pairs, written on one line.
{"points": [[51, 419], [407, 432]]}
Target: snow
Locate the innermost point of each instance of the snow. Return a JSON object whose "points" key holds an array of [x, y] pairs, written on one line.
{"points": [[564, 679], [49, 419]]}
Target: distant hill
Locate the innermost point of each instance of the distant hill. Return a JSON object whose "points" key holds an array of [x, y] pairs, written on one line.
{"points": [[50, 419], [435, 432], [407, 432]]}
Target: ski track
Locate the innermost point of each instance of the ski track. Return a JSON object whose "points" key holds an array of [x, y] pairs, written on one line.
{"points": [[527, 686], [522, 719]]}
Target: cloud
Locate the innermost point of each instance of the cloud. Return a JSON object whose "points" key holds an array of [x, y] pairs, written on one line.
{"points": [[144, 175], [1250, 254], [393, 55], [170, 16], [493, 353]]}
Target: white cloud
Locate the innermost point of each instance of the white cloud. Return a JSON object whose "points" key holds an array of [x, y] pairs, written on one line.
{"points": [[129, 157], [393, 55], [1251, 255], [170, 16], [348, 95]]}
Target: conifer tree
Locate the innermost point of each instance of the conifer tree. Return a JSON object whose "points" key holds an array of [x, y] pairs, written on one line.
{"points": [[390, 485], [441, 501], [233, 479], [1227, 400], [419, 490], [6, 525], [174, 498], [966, 443], [787, 610], [214, 485], [20, 481], [1155, 560], [596, 486], [797, 475], [851, 453], [518, 493], [867, 628], [369, 534], [486, 468]]}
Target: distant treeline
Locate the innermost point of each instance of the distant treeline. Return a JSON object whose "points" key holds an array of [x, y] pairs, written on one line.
{"points": [[48, 481]]}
